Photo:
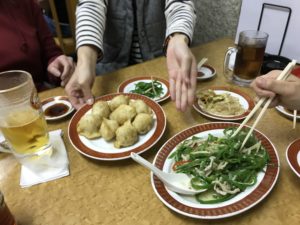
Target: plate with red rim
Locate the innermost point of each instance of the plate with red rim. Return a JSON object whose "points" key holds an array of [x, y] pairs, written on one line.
{"points": [[287, 112], [187, 205], [56, 108], [245, 100], [293, 156], [100, 149], [129, 85]]}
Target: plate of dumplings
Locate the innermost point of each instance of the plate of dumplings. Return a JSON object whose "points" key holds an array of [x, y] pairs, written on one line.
{"points": [[116, 125]]}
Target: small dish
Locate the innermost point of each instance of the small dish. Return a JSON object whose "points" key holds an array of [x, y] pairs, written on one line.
{"points": [[57, 107], [286, 112], [206, 72], [129, 85], [293, 156], [245, 100]]}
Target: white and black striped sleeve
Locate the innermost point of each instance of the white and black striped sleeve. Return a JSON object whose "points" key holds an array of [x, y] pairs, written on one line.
{"points": [[90, 23], [180, 17]]}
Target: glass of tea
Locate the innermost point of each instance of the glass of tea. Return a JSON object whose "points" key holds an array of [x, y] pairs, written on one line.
{"points": [[22, 121], [249, 55]]}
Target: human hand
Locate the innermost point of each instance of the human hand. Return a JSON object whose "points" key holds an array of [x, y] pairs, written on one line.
{"points": [[79, 88], [182, 70], [62, 67], [285, 93]]}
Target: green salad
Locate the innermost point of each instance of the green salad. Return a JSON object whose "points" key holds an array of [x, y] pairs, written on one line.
{"points": [[152, 89], [218, 165]]}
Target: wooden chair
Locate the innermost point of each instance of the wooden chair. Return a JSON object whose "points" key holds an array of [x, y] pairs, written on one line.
{"points": [[68, 45]]}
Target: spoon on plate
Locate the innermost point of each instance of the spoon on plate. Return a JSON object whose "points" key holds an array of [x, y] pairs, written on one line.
{"points": [[201, 63], [177, 182]]}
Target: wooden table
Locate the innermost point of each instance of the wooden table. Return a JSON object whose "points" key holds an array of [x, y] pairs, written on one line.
{"points": [[119, 192]]}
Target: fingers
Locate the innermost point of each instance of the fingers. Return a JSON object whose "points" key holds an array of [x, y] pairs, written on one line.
{"points": [[259, 86]]}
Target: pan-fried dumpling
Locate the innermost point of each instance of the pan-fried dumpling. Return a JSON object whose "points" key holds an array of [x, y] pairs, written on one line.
{"points": [[123, 113], [89, 126], [117, 101], [126, 135], [101, 109], [143, 122], [108, 129], [140, 106]]}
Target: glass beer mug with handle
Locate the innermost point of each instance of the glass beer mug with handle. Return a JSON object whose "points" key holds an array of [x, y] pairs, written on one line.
{"points": [[22, 121], [249, 55]]}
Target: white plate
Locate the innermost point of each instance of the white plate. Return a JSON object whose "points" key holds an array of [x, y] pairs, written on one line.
{"points": [[245, 100], [288, 113], [187, 205], [56, 108], [206, 72], [129, 85], [293, 156], [102, 150]]}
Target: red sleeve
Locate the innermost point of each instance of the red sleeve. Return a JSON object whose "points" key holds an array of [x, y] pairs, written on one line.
{"points": [[49, 48]]}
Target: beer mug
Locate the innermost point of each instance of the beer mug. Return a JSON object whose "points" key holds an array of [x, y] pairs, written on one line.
{"points": [[249, 55], [22, 121]]}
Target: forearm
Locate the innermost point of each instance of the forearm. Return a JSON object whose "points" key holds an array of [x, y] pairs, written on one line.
{"points": [[87, 56]]}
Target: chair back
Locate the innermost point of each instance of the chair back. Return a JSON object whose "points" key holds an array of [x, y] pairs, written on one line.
{"points": [[67, 44]]}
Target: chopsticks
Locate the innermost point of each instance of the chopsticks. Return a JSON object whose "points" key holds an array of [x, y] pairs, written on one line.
{"points": [[282, 76]]}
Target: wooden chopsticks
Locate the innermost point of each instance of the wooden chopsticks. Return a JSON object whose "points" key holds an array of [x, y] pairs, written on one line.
{"points": [[282, 76]]}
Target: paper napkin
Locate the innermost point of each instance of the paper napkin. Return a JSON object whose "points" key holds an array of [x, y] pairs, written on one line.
{"points": [[49, 167]]}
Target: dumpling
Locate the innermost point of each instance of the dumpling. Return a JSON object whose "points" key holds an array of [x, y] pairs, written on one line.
{"points": [[143, 122], [108, 129], [89, 126], [101, 109], [117, 101], [140, 106], [126, 135], [123, 113]]}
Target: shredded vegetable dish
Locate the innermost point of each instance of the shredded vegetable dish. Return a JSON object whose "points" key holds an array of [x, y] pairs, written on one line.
{"points": [[151, 89], [220, 104], [218, 165]]}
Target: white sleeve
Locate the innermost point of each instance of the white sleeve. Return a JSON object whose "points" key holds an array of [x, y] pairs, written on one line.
{"points": [[180, 17], [90, 23]]}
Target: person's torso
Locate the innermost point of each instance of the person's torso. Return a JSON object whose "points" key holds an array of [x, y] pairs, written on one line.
{"points": [[150, 21]]}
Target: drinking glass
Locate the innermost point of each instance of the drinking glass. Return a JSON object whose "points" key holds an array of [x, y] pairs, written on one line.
{"points": [[22, 121], [249, 57]]}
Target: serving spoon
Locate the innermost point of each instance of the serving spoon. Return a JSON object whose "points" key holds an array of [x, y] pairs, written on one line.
{"points": [[201, 63], [177, 182]]}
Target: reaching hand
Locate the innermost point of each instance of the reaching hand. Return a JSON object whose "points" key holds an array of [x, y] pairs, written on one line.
{"points": [[286, 92], [79, 88], [62, 67], [182, 70]]}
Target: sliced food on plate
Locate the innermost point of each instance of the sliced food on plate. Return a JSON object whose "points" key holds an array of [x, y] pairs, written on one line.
{"points": [[223, 103], [234, 178], [153, 87]]}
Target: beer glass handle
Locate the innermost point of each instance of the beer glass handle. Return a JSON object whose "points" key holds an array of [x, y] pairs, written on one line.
{"points": [[227, 70], [4, 147]]}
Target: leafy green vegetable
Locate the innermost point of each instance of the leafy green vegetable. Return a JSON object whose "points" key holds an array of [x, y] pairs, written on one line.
{"points": [[151, 89], [219, 165]]}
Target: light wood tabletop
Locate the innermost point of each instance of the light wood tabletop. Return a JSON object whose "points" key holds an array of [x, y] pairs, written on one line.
{"points": [[120, 192]]}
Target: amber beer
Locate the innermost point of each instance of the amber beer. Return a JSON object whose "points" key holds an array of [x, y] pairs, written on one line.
{"points": [[249, 56], [248, 61], [26, 131]]}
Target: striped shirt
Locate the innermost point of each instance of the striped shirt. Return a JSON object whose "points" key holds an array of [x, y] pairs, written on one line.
{"points": [[91, 19]]}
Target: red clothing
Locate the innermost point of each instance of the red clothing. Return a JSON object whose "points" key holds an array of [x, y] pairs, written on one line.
{"points": [[25, 40]]}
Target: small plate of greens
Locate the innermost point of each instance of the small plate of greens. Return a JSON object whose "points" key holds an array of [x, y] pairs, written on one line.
{"points": [[153, 87], [235, 179]]}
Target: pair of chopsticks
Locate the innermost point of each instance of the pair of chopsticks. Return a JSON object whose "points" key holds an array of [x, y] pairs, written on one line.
{"points": [[282, 76]]}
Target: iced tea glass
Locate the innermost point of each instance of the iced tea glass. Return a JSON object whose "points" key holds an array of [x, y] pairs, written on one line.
{"points": [[249, 55], [22, 121]]}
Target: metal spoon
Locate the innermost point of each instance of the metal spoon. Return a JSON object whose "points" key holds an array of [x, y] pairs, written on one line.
{"points": [[177, 182], [201, 63]]}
